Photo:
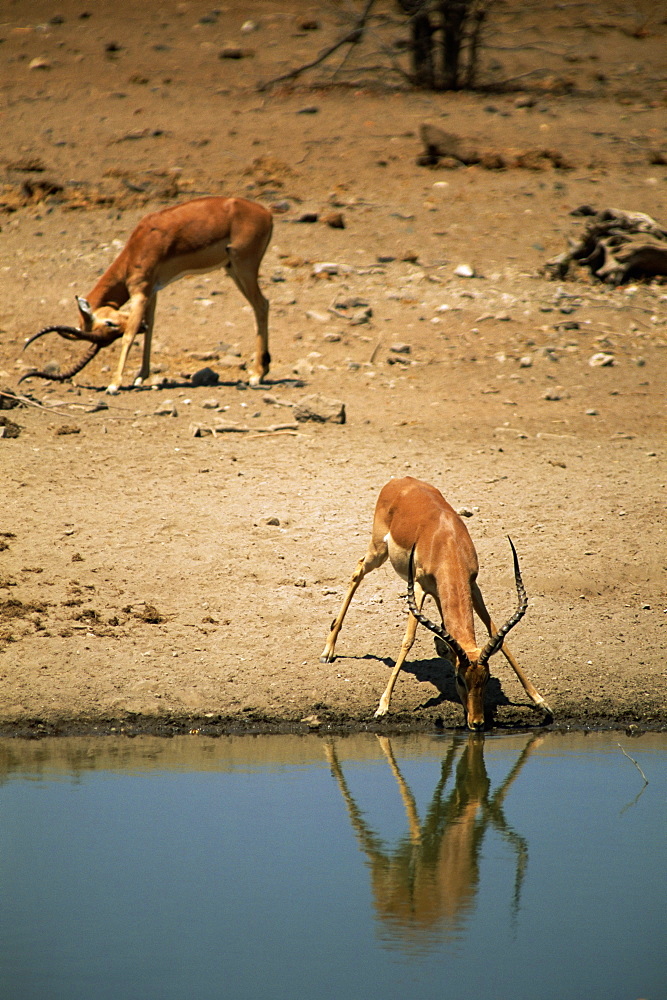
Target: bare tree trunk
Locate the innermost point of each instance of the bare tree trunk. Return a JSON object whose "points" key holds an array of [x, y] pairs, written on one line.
{"points": [[421, 42], [453, 14], [445, 40]]}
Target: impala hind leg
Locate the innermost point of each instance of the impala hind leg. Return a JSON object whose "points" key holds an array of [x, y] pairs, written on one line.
{"points": [[375, 556], [530, 689], [244, 273], [406, 646]]}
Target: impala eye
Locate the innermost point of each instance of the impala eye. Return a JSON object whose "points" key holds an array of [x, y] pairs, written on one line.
{"points": [[110, 323]]}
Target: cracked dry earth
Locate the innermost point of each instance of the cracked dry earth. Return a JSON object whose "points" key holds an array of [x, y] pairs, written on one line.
{"points": [[172, 557]]}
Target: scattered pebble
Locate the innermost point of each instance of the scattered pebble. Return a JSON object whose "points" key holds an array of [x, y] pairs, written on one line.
{"points": [[205, 376], [601, 360], [166, 409]]}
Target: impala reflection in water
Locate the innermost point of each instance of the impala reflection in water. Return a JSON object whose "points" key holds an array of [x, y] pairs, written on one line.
{"points": [[425, 888]]}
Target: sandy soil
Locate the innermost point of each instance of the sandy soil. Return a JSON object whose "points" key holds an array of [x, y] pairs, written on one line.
{"points": [[153, 580]]}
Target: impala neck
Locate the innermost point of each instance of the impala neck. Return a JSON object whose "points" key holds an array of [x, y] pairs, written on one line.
{"points": [[456, 607], [111, 289]]}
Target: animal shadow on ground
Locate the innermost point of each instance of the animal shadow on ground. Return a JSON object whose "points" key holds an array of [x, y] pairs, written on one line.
{"points": [[439, 672]]}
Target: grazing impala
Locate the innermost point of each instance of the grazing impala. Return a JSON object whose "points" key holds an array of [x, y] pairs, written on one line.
{"points": [[197, 236], [414, 524]]}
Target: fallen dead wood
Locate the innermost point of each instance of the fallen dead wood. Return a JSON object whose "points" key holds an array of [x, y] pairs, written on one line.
{"points": [[446, 149], [616, 246]]}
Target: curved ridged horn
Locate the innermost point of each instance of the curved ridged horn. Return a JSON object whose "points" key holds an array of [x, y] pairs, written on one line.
{"points": [[496, 641], [439, 630], [68, 332], [70, 372]]}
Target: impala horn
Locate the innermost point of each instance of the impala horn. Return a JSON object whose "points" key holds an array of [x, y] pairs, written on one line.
{"points": [[69, 372], [438, 630], [496, 641], [68, 332]]}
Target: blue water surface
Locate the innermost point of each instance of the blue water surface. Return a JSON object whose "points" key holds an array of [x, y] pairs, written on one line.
{"points": [[515, 867]]}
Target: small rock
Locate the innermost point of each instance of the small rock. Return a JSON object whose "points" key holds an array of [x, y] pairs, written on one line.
{"points": [[8, 429], [354, 302], [553, 395], [303, 368], [465, 512], [601, 360], [205, 376], [39, 63], [320, 409], [274, 521], [166, 409], [334, 220], [234, 52], [361, 316], [525, 362], [8, 400], [326, 267], [400, 348], [464, 271], [312, 721], [310, 109], [591, 413]]}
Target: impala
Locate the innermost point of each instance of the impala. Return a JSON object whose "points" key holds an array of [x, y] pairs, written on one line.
{"points": [[429, 546], [197, 236]]}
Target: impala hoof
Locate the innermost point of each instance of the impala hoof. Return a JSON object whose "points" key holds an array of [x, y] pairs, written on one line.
{"points": [[546, 711], [112, 390]]}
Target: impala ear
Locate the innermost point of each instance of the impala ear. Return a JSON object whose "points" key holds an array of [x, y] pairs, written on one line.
{"points": [[84, 307]]}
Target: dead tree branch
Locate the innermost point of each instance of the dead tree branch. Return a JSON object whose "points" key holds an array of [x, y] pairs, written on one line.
{"points": [[352, 37]]}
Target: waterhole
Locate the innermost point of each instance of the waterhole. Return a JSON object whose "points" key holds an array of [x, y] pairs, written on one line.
{"points": [[511, 866]]}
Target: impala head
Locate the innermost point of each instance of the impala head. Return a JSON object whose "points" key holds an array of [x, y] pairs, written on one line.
{"points": [[472, 666], [105, 324], [100, 329]]}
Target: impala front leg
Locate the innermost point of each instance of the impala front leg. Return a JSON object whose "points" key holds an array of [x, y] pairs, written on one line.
{"points": [[149, 318], [529, 688], [406, 646], [135, 318]]}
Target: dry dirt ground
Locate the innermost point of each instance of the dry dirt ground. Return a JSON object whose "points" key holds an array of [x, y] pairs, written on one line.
{"points": [[153, 580]]}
